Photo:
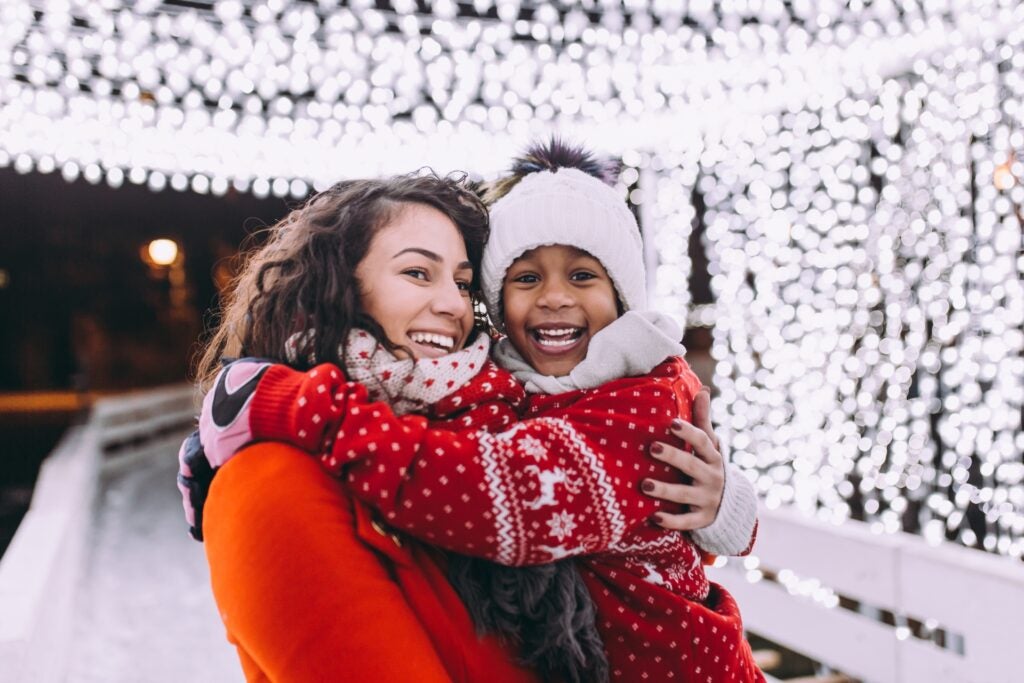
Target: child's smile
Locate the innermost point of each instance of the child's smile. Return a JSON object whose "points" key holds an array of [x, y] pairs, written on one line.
{"points": [[557, 337], [555, 299]]}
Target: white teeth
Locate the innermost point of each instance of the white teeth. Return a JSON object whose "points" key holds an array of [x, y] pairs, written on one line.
{"points": [[557, 333], [565, 336], [555, 338], [554, 342], [435, 339]]}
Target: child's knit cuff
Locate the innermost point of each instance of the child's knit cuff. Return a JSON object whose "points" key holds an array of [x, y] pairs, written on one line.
{"points": [[281, 399], [733, 528]]}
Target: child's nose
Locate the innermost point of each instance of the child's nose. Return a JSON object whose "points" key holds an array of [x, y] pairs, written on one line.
{"points": [[555, 294]]}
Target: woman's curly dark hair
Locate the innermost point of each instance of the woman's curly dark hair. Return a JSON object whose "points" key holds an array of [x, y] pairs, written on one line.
{"points": [[303, 277]]}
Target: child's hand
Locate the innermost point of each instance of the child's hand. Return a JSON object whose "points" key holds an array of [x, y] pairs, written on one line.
{"points": [[194, 477], [705, 467], [224, 420], [223, 429]]}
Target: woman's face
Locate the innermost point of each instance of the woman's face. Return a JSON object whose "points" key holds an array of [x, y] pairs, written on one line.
{"points": [[554, 300], [415, 281]]}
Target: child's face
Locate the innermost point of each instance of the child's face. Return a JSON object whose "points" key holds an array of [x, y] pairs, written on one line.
{"points": [[555, 299], [415, 280]]}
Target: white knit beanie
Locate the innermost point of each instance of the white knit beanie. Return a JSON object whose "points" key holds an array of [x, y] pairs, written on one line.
{"points": [[564, 206]]}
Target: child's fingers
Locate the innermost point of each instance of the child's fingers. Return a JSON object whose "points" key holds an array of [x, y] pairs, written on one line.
{"points": [[684, 521], [701, 443], [677, 458], [673, 493]]}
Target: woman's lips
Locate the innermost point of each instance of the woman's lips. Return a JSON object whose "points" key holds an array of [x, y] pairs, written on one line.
{"points": [[427, 350], [432, 344]]}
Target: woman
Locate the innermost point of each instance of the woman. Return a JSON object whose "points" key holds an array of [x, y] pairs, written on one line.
{"points": [[393, 258]]}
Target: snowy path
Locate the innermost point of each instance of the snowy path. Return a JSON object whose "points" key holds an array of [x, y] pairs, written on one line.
{"points": [[145, 611]]}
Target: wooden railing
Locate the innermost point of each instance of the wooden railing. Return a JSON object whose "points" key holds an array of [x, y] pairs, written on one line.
{"points": [[881, 608]]}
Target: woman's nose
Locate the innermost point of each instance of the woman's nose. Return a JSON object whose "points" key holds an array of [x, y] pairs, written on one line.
{"points": [[450, 300]]}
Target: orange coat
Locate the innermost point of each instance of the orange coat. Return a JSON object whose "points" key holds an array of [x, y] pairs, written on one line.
{"points": [[310, 588]]}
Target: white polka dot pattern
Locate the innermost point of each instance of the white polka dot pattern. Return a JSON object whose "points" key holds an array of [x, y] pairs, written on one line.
{"points": [[564, 481]]}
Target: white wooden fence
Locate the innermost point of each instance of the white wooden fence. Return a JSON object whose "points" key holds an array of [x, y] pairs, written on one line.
{"points": [[41, 570], [974, 601]]}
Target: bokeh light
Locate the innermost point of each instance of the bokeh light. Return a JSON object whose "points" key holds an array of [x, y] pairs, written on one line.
{"points": [[162, 252], [852, 169]]}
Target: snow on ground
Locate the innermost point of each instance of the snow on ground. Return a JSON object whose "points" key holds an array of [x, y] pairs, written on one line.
{"points": [[145, 611]]}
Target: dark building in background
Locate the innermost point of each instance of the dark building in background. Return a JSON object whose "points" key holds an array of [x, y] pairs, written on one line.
{"points": [[83, 309], [80, 308]]}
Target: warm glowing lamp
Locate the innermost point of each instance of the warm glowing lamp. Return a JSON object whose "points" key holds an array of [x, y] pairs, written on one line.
{"points": [[163, 252]]}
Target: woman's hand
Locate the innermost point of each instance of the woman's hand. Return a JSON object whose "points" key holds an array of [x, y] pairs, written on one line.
{"points": [[704, 466]]}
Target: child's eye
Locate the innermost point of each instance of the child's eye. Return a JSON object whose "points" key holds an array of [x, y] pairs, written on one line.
{"points": [[417, 273], [526, 278], [582, 276]]}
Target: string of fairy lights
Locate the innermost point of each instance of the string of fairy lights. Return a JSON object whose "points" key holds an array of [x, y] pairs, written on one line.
{"points": [[854, 170], [260, 96]]}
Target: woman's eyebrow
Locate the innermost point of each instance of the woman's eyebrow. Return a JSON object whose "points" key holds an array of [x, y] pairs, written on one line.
{"points": [[436, 258], [422, 252]]}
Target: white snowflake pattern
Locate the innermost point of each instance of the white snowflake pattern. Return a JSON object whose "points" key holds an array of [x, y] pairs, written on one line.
{"points": [[532, 446], [562, 524]]}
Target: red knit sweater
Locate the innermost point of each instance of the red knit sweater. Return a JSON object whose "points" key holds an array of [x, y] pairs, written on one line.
{"points": [[563, 481]]}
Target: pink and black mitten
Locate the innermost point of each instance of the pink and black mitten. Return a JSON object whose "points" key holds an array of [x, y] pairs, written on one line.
{"points": [[223, 430]]}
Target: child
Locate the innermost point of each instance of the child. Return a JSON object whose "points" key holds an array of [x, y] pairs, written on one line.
{"points": [[563, 276]]}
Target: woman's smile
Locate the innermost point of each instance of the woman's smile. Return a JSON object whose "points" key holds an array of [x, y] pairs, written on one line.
{"points": [[431, 344]]}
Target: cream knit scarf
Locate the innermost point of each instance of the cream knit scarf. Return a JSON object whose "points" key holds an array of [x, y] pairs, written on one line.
{"points": [[410, 386], [630, 346]]}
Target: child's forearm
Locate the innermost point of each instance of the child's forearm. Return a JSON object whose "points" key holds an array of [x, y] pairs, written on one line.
{"points": [[538, 492], [303, 409], [283, 394], [544, 489]]}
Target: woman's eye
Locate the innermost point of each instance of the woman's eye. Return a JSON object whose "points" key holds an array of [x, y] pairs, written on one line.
{"points": [[417, 273], [463, 286]]}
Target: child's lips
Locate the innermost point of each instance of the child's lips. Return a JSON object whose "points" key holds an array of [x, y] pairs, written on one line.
{"points": [[557, 340]]}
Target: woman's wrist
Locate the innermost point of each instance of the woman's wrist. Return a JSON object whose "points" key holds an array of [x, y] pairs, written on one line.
{"points": [[734, 524]]}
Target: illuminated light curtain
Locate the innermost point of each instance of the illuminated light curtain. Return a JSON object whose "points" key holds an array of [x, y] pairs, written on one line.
{"points": [[869, 321], [281, 95], [858, 166]]}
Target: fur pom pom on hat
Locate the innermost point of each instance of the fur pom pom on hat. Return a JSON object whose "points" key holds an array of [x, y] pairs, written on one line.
{"points": [[556, 202]]}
